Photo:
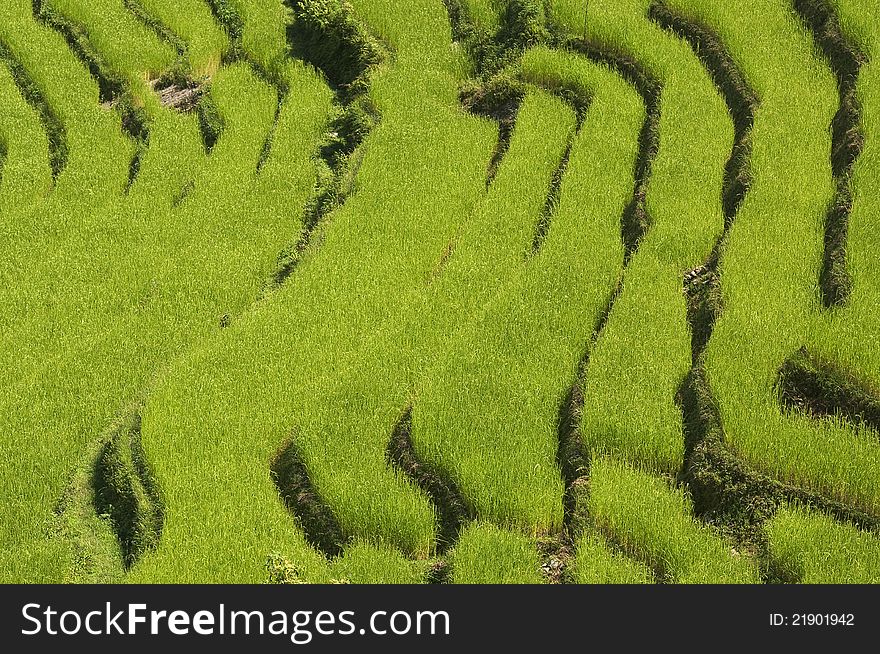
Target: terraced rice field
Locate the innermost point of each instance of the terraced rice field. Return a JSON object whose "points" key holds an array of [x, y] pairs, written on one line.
{"points": [[440, 291]]}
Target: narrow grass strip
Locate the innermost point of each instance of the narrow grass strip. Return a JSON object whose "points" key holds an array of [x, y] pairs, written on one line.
{"points": [[55, 132], [191, 23], [364, 563], [26, 176], [144, 281], [643, 351], [849, 336]]}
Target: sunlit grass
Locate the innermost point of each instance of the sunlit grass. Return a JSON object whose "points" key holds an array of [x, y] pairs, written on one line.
{"points": [[597, 563], [424, 289], [771, 298], [485, 554], [117, 285], [815, 549], [654, 523]]}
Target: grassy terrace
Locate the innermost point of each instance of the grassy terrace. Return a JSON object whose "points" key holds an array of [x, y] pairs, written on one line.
{"points": [[807, 546], [190, 23], [440, 291], [125, 281], [409, 203], [644, 350], [485, 554], [91, 133], [597, 563], [37, 472], [25, 175], [770, 292], [653, 524], [847, 335], [811, 548], [497, 390]]}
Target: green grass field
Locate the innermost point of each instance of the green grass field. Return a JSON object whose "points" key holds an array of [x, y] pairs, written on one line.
{"points": [[440, 291]]}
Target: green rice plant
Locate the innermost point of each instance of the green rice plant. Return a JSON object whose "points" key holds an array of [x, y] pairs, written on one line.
{"points": [[127, 58], [84, 323], [130, 59], [136, 278], [482, 256], [812, 548], [635, 369], [173, 159], [126, 44], [456, 287], [497, 389], [654, 523], [191, 21], [770, 293], [485, 554], [93, 166], [855, 18], [572, 14], [362, 402], [484, 14], [363, 563], [291, 365], [245, 137], [263, 36], [92, 133], [644, 351], [848, 333], [303, 113], [597, 563], [55, 131], [402, 26], [353, 413], [25, 174]]}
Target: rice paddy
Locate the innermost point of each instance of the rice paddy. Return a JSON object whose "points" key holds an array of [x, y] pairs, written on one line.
{"points": [[440, 291]]}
